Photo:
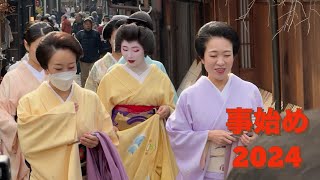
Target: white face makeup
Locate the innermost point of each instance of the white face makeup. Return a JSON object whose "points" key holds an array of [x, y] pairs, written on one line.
{"points": [[133, 53]]}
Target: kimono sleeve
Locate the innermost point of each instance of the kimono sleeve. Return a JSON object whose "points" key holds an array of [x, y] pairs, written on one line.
{"points": [[163, 69], [91, 82], [104, 93], [168, 96], [8, 125], [257, 99], [105, 122], [41, 132], [187, 144]]}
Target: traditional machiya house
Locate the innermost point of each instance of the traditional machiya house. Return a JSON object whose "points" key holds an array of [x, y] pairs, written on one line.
{"points": [[14, 16], [298, 56]]}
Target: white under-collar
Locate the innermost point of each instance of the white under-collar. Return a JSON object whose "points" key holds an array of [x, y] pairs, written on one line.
{"points": [[138, 77], [57, 95], [38, 75]]}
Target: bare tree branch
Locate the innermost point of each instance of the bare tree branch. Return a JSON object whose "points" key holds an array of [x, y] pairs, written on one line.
{"points": [[295, 16]]}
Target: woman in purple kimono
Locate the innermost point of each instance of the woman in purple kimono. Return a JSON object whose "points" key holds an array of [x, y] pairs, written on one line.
{"points": [[197, 128]]}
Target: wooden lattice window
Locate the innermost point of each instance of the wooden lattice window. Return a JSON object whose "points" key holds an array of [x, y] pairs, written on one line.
{"points": [[245, 36]]}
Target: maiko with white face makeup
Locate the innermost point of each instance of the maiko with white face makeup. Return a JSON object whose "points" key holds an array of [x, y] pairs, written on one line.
{"points": [[62, 114], [140, 97], [133, 53]]}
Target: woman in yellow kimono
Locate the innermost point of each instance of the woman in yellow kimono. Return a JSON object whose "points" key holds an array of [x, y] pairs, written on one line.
{"points": [[57, 116], [26, 77], [140, 96]]}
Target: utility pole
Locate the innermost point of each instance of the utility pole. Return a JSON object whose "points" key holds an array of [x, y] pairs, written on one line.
{"points": [[44, 7], [275, 55]]}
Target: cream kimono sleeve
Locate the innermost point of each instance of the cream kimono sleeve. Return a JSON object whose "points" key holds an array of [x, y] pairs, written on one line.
{"points": [[8, 125], [104, 121], [39, 132], [168, 94], [106, 94]]}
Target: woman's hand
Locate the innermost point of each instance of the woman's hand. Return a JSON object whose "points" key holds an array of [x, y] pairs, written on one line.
{"points": [[246, 140], [164, 112], [221, 137], [89, 140], [115, 129]]}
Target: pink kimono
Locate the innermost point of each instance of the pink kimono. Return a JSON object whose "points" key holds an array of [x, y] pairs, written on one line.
{"points": [[200, 108], [15, 84]]}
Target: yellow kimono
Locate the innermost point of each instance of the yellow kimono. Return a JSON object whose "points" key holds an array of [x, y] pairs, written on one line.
{"points": [[48, 129], [143, 147]]}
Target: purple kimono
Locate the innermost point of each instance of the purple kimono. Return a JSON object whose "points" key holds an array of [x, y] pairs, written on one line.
{"points": [[201, 108], [104, 162]]}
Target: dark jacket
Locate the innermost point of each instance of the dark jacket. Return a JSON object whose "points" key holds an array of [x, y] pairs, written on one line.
{"points": [[77, 26], [91, 45], [104, 162]]}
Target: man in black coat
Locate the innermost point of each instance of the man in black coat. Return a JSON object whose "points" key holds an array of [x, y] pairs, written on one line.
{"points": [[91, 44]]}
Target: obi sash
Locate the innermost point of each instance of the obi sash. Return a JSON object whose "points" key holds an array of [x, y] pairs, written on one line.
{"points": [[126, 116], [216, 160]]}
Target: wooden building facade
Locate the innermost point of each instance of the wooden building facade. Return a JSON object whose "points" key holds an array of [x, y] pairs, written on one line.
{"points": [[299, 57]]}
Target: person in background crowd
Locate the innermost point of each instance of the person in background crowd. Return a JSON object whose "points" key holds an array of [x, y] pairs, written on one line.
{"points": [[26, 77], [54, 21], [78, 9], [87, 8], [96, 18], [65, 24], [38, 17], [47, 18], [77, 24], [93, 7], [72, 11], [68, 11], [105, 20], [100, 11], [91, 43], [76, 27], [56, 121]]}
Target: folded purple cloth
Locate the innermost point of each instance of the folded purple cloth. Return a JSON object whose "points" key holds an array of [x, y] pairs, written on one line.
{"points": [[104, 162]]}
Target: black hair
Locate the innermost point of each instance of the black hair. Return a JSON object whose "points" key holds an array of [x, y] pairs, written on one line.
{"points": [[46, 17], [216, 29], [36, 30], [110, 27], [54, 41], [132, 32], [141, 18]]}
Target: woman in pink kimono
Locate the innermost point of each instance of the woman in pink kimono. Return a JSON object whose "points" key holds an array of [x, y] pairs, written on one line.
{"points": [[197, 128], [25, 78]]}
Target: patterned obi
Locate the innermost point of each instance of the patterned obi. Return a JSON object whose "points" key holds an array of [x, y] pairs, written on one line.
{"points": [[126, 116], [216, 160]]}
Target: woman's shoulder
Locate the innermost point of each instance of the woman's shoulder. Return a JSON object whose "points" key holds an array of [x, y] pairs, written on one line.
{"points": [[243, 84], [158, 71], [34, 95], [15, 73]]}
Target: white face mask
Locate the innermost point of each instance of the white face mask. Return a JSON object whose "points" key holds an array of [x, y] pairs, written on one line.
{"points": [[63, 80]]}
